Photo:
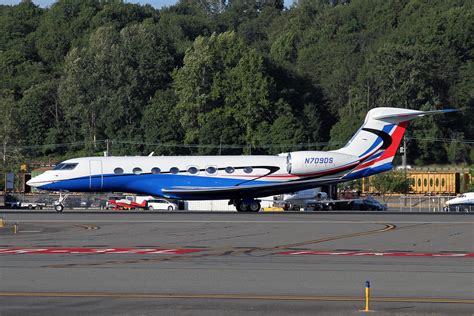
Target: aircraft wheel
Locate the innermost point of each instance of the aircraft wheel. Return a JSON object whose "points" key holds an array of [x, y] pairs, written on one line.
{"points": [[59, 207], [254, 206], [242, 207]]}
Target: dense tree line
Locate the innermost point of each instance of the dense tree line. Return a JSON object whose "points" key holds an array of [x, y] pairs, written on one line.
{"points": [[246, 73]]}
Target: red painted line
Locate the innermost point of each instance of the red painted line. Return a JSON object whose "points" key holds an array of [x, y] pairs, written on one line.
{"points": [[80, 250], [381, 254]]}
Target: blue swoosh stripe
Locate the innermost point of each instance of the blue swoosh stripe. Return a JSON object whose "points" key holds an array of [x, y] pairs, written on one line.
{"points": [[386, 129]]}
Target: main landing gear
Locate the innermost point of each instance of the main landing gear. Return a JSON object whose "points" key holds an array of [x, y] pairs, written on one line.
{"points": [[247, 205], [59, 204]]}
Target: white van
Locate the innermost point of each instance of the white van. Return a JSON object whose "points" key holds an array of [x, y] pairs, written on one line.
{"points": [[161, 204]]}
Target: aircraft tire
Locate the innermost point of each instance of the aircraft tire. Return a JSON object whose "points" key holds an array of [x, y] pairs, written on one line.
{"points": [[242, 207], [254, 207], [59, 207]]}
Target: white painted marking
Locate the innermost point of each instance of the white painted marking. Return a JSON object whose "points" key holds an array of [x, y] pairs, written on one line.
{"points": [[103, 250], [24, 250], [163, 251], [300, 252]]}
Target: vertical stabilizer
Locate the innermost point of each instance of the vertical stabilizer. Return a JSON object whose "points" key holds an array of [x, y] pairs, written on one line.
{"points": [[378, 139]]}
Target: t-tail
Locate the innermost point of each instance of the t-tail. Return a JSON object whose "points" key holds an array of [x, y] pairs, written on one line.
{"points": [[377, 140]]}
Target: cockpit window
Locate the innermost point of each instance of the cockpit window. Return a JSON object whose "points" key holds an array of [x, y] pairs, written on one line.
{"points": [[58, 167], [65, 166]]}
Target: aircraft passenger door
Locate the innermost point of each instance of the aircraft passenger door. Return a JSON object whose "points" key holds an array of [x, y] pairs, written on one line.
{"points": [[96, 177]]}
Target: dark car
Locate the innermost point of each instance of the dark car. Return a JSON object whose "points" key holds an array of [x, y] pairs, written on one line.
{"points": [[368, 204]]}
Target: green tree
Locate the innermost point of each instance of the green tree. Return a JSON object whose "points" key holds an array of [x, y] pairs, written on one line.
{"points": [[10, 155], [37, 113], [62, 26], [107, 84], [286, 132], [221, 72], [244, 72], [388, 183], [161, 124], [18, 24]]}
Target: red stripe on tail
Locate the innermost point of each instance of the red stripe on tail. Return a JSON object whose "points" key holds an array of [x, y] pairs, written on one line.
{"points": [[392, 150]]}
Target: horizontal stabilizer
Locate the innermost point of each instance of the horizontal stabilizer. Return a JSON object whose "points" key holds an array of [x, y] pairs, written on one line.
{"points": [[408, 115]]}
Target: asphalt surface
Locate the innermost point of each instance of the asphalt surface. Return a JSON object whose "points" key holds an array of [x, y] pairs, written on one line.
{"points": [[239, 265]]}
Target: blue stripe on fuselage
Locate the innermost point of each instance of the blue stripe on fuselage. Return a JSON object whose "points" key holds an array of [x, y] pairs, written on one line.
{"points": [[151, 184]]}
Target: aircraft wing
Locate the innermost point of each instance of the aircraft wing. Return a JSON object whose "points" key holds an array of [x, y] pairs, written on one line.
{"points": [[250, 191]]}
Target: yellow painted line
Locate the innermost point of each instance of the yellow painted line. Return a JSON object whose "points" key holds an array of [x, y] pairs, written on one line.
{"points": [[238, 297], [387, 227], [88, 227]]}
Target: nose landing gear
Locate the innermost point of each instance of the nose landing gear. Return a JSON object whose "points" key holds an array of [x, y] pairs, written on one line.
{"points": [[59, 204]]}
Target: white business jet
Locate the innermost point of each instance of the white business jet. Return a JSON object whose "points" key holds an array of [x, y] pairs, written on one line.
{"points": [[241, 179], [462, 203]]}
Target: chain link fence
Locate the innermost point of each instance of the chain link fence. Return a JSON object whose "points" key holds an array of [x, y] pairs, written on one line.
{"points": [[422, 203]]}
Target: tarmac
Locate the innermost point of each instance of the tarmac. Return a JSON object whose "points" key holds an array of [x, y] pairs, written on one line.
{"points": [[198, 263]]}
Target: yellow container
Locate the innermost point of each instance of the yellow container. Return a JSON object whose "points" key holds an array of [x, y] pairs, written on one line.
{"points": [[273, 209]]}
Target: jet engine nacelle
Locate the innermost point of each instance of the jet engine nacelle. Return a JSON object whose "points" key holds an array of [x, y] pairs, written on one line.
{"points": [[308, 162]]}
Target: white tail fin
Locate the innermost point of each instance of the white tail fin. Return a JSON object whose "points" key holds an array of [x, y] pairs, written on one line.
{"points": [[377, 141]]}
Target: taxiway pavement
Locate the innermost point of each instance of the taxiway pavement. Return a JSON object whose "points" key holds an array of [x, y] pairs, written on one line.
{"points": [[252, 263]]}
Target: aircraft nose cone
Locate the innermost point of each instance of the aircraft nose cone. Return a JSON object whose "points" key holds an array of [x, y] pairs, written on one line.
{"points": [[35, 182], [30, 183]]}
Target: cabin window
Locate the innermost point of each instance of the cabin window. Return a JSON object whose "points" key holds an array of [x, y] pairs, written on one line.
{"points": [[174, 170], [248, 169], [193, 170], [65, 166], [229, 169], [137, 170], [211, 170], [118, 171], [155, 170]]}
